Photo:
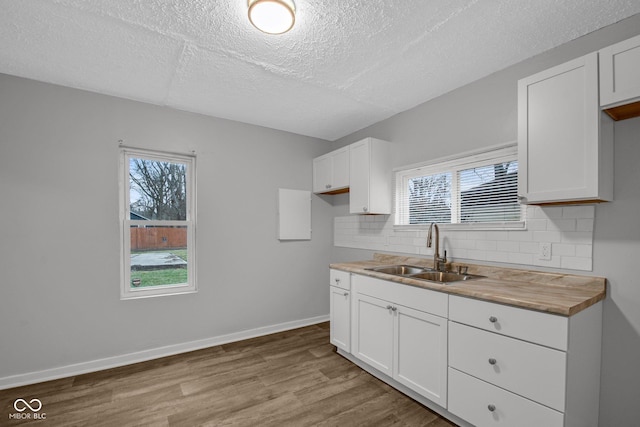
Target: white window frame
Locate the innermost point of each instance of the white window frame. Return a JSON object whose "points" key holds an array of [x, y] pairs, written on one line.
{"points": [[126, 291], [453, 164]]}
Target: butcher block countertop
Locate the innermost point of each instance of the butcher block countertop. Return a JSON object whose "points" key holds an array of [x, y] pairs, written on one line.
{"points": [[557, 293]]}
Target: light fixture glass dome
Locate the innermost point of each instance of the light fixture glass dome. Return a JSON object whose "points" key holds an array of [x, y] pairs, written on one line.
{"points": [[272, 16]]}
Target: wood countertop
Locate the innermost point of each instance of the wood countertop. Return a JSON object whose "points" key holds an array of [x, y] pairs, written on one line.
{"points": [[557, 293]]}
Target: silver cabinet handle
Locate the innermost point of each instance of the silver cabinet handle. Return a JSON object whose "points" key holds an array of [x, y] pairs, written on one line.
{"points": [[364, 209], [493, 319], [389, 307], [346, 294], [327, 186], [337, 280], [491, 407], [492, 361], [394, 308]]}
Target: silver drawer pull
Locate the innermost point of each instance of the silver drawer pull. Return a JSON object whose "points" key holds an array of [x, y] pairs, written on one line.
{"points": [[491, 407], [493, 319], [337, 280], [492, 361], [389, 307], [394, 308], [346, 294]]}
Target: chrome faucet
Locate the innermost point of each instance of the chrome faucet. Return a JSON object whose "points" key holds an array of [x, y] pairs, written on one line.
{"points": [[436, 251]]}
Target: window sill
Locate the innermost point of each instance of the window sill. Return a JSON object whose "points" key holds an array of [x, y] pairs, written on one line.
{"points": [[479, 226], [152, 293]]}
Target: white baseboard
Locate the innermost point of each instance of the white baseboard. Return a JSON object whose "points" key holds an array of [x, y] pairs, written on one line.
{"points": [[142, 356]]}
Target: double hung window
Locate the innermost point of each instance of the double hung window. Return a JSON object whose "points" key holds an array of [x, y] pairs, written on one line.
{"points": [[475, 191], [157, 223]]}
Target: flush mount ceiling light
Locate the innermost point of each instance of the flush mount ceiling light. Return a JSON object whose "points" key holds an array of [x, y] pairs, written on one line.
{"points": [[272, 16]]}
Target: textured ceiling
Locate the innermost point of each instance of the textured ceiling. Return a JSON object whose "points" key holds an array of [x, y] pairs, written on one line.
{"points": [[345, 65]]}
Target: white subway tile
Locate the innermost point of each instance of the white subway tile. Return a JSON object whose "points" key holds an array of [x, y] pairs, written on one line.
{"points": [[521, 235], [584, 251], [547, 236], [552, 211], [576, 263], [584, 224], [563, 249], [587, 211], [577, 237], [537, 224], [459, 253], [476, 254], [508, 246], [476, 235], [486, 245], [498, 256], [518, 258], [565, 224], [529, 247], [498, 235], [554, 262]]}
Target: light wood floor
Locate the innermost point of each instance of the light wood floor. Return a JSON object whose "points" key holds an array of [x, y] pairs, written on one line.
{"points": [[293, 378]]}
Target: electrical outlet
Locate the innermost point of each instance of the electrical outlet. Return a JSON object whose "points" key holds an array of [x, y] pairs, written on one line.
{"points": [[544, 252]]}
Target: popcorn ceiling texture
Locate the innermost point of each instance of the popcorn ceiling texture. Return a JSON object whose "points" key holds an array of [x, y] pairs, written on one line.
{"points": [[345, 65], [569, 229]]}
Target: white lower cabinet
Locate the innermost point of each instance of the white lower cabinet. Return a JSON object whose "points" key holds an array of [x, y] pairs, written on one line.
{"points": [[392, 333], [340, 309], [340, 317], [478, 362], [510, 366]]}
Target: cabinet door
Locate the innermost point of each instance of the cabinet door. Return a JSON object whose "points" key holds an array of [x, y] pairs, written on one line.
{"points": [[359, 168], [340, 318], [322, 174], [619, 71], [373, 332], [421, 353], [559, 135], [340, 172]]}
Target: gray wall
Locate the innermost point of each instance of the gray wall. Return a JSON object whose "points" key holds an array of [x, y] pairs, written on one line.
{"points": [[485, 113], [59, 245]]}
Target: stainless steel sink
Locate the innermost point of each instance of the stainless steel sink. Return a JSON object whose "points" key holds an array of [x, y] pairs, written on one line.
{"points": [[400, 270], [424, 273], [444, 276]]}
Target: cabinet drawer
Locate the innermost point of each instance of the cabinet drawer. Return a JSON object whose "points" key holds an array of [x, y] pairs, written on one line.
{"points": [[541, 328], [469, 398], [340, 279], [410, 296], [530, 370]]}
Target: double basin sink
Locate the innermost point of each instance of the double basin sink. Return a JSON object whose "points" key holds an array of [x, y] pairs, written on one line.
{"points": [[422, 273]]}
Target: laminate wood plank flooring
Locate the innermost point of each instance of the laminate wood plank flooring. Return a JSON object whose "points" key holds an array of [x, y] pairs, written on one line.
{"points": [[292, 378]]}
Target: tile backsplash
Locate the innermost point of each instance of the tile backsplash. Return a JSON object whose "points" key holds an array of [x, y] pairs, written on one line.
{"points": [[569, 230]]}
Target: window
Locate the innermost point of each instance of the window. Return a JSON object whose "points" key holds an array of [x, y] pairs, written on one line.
{"points": [[475, 191], [158, 223]]}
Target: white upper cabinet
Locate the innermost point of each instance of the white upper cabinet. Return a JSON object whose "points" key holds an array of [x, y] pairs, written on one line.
{"points": [[331, 172], [565, 143], [620, 79], [370, 177]]}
